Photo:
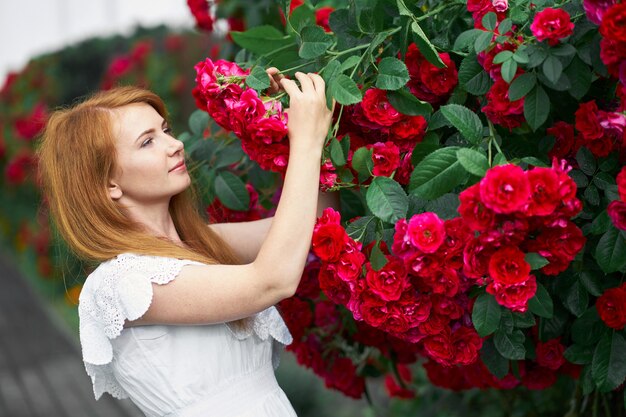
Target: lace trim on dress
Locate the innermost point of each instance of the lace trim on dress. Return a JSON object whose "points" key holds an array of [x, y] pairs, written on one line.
{"points": [[117, 290]]}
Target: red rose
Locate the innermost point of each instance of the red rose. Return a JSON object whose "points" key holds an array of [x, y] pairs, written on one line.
{"points": [[342, 376], [551, 25], [328, 241], [334, 288], [505, 188], [309, 286], [410, 128], [617, 213], [559, 245], [476, 256], [386, 157], [544, 187], [297, 315], [373, 309], [402, 246], [415, 308], [611, 307], [200, 11], [612, 54], [428, 82], [394, 389], [18, 168], [29, 126], [595, 9], [404, 171], [538, 378], [587, 122], [439, 347], [350, 264], [321, 17], [326, 314], [514, 297], [565, 143], [467, 344], [377, 108], [550, 354], [474, 213], [446, 307], [507, 266], [502, 111], [447, 283], [388, 282], [426, 232], [614, 23]]}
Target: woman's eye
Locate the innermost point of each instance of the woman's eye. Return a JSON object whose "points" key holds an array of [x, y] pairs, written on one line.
{"points": [[167, 130], [146, 142]]}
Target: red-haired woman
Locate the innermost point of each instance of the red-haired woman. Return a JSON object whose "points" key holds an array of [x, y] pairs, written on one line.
{"points": [[178, 316]]}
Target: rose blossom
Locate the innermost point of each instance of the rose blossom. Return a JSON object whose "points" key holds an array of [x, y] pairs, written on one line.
{"points": [[388, 282], [507, 266], [544, 186], [426, 232], [514, 297], [614, 23], [328, 240], [500, 5], [473, 211], [505, 188], [621, 184], [552, 24], [595, 9], [617, 213], [377, 108], [611, 307], [550, 354], [386, 158], [502, 111]]}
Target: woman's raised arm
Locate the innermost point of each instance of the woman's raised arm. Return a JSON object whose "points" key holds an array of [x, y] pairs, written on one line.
{"points": [[218, 293]]}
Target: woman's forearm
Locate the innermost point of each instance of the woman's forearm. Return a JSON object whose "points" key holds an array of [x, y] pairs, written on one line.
{"points": [[282, 256]]}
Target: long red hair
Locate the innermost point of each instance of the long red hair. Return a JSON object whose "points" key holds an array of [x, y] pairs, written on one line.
{"points": [[77, 157]]}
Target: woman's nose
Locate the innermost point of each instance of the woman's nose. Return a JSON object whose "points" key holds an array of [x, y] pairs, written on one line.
{"points": [[176, 146]]}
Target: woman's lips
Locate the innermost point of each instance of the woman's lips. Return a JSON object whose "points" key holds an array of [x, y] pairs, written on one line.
{"points": [[179, 167]]}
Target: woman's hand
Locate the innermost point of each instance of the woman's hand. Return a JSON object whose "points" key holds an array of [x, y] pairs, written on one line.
{"points": [[308, 117], [275, 78]]}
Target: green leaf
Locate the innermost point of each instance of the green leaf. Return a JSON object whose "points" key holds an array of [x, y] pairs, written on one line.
{"points": [[473, 161], [505, 26], [578, 354], [592, 195], [497, 364], [502, 57], [377, 258], [345, 91], [580, 75], [386, 199], [586, 161], [336, 153], [261, 40], [608, 367], [472, 77], [511, 346], [592, 281], [406, 103], [423, 149], [486, 314], [508, 70], [535, 260], [489, 21], [522, 86], [588, 328], [445, 206], [437, 174], [403, 9], [466, 39], [531, 160], [392, 74], [575, 298], [465, 120], [362, 163], [552, 68], [536, 107], [198, 122], [524, 320], [232, 191], [228, 156], [541, 303], [258, 78], [426, 47], [362, 229], [350, 63], [315, 42], [482, 41], [611, 251]]}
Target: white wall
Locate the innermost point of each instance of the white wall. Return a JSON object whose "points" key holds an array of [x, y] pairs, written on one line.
{"points": [[32, 27]]}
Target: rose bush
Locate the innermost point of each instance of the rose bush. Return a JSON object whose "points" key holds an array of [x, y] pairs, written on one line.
{"points": [[476, 148]]}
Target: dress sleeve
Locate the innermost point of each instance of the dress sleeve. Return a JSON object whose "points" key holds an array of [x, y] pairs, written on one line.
{"points": [[118, 290]]}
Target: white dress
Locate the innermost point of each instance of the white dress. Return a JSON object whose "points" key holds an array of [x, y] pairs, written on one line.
{"points": [[171, 370]]}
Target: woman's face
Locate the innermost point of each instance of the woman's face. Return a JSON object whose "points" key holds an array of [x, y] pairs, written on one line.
{"points": [[150, 162]]}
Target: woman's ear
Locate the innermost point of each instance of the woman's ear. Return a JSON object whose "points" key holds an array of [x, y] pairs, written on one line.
{"points": [[115, 192]]}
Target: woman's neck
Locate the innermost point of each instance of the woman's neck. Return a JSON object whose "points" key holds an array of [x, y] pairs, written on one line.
{"points": [[157, 220]]}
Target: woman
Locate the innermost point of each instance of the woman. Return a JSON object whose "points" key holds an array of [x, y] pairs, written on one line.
{"points": [[178, 316]]}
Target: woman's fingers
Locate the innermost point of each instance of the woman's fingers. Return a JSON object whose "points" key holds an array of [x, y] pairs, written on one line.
{"points": [[275, 78], [290, 87], [320, 85], [306, 84]]}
